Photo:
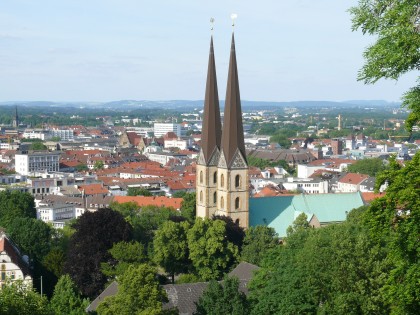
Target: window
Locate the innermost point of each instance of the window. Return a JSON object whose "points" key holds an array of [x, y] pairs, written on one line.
{"points": [[237, 181], [214, 177], [222, 180], [222, 203], [215, 197], [201, 196], [237, 204], [201, 177]]}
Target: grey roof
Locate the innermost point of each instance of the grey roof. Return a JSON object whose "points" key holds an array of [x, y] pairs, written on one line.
{"points": [[233, 131], [184, 296], [212, 127]]}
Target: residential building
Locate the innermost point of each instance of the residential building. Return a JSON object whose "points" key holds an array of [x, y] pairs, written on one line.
{"points": [[37, 162], [161, 129]]}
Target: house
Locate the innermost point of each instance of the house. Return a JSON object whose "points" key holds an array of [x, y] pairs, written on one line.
{"points": [[13, 265], [351, 182], [185, 296]]}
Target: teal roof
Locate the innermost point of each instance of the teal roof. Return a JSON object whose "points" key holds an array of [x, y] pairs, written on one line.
{"points": [[280, 212]]}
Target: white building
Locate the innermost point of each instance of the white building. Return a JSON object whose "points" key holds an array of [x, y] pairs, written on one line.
{"points": [[181, 144], [307, 185], [37, 162], [13, 266], [161, 129], [64, 135], [34, 134]]}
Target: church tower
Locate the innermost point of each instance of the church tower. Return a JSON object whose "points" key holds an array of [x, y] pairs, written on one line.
{"points": [[206, 181], [232, 171], [15, 123]]}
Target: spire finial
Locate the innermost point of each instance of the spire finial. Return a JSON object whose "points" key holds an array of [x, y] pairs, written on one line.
{"points": [[233, 16], [212, 25]]}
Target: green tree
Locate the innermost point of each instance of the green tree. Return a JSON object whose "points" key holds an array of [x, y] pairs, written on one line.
{"points": [[300, 223], [188, 206], [99, 165], [15, 204], [124, 254], [220, 299], [37, 146], [138, 293], [395, 220], [96, 233], [134, 191], [32, 236], [396, 27], [258, 240], [82, 167], [54, 261], [17, 299], [66, 299], [170, 247], [369, 167], [210, 251]]}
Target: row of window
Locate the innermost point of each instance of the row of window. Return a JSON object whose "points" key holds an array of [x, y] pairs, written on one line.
{"points": [[222, 200], [222, 179]]}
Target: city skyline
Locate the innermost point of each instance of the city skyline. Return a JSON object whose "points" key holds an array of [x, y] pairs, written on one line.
{"points": [[113, 50]]}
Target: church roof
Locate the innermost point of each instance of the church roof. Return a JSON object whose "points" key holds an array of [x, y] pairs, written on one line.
{"points": [[280, 212], [212, 128], [233, 133]]}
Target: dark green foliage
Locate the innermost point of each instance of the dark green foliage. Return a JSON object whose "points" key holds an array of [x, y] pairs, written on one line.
{"points": [[210, 251], [220, 299], [234, 232], [258, 240], [133, 191], [370, 167], [37, 146], [15, 204], [66, 299], [54, 261], [15, 299], [96, 233], [82, 167], [138, 293], [188, 206], [124, 254], [32, 236], [170, 247], [396, 50]]}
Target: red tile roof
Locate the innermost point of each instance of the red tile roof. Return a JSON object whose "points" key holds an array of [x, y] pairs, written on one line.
{"points": [[370, 196], [151, 201], [94, 189], [353, 178]]}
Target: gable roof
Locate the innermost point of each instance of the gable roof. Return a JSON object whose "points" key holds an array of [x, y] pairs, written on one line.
{"points": [[13, 252], [280, 212]]}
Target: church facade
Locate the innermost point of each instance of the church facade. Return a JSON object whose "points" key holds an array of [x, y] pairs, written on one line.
{"points": [[222, 168]]}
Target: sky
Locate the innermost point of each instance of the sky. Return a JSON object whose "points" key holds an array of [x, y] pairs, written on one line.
{"points": [[106, 50]]}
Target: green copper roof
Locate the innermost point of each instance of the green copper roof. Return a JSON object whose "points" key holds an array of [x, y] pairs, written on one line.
{"points": [[280, 212]]}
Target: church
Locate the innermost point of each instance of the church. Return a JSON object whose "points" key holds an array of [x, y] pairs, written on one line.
{"points": [[222, 186]]}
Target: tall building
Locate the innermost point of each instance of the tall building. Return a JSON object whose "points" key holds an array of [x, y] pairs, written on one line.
{"points": [[210, 145], [161, 129], [15, 123], [37, 162], [224, 192], [337, 146]]}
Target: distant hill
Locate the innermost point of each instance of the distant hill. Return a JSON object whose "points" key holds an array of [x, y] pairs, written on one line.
{"points": [[176, 104]]}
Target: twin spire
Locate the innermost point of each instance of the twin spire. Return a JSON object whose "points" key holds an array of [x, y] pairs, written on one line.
{"points": [[231, 140]]}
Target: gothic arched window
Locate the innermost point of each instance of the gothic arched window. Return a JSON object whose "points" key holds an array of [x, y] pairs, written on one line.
{"points": [[237, 181], [214, 177], [201, 196], [237, 203], [215, 197], [222, 180], [222, 203], [201, 177]]}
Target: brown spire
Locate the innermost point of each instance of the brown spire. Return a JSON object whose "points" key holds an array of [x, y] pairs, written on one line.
{"points": [[233, 133], [212, 128]]}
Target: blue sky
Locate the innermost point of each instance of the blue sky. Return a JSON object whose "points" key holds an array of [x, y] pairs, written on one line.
{"points": [[103, 50]]}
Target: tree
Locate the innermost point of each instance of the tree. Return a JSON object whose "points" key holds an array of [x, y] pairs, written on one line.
{"points": [[134, 191], [32, 236], [188, 206], [17, 299], [99, 165], [37, 146], [96, 233], [370, 167], [258, 240], [395, 220], [300, 223], [234, 232], [210, 251], [124, 254], [224, 298], [15, 204], [170, 247], [82, 167], [138, 293], [397, 48], [66, 299]]}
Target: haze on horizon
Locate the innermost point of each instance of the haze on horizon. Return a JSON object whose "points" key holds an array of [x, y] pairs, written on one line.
{"points": [[97, 50]]}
